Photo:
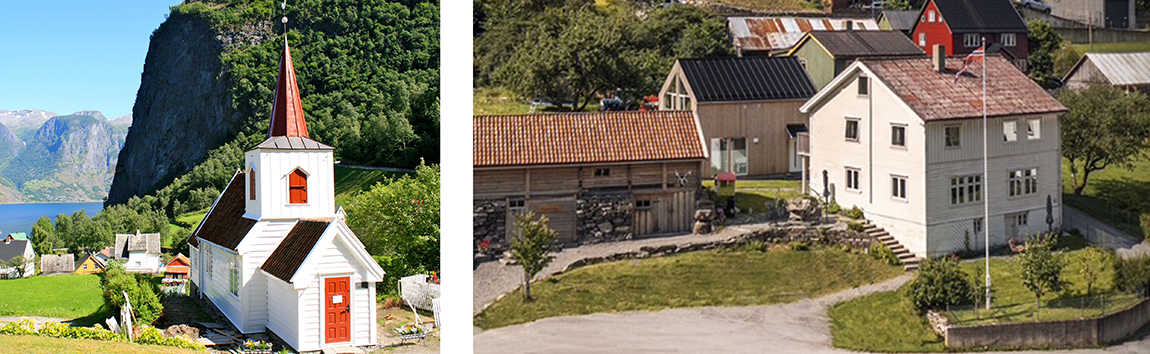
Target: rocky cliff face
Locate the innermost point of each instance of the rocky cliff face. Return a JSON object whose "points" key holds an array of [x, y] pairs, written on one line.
{"points": [[70, 158], [183, 108], [9, 144]]}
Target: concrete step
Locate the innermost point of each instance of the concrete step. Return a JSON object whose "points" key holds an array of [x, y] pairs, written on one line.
{"points": [[885, 238], [877, 234]]}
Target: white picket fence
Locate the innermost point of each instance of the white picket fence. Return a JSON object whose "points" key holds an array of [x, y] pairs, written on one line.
{"points": [[418, 292]]}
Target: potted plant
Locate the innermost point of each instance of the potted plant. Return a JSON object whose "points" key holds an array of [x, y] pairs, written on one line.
{"points": [[257, 347]]}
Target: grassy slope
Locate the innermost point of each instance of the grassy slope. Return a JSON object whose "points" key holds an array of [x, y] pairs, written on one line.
{"points": [[48, 345], [1114, 195], [349, 181], [712, 278], [883, 322], [752, 195], [62, 296], [1114, 47]]}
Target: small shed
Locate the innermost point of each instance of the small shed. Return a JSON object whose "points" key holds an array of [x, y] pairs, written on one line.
{"points": [[57, 263], [91, 264], [176, 269], [1130, 71]]}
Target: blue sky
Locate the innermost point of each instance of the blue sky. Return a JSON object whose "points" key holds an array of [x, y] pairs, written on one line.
{"points": [[67, 56]]}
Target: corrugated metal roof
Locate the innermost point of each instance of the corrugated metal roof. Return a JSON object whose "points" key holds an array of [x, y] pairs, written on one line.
{"points": [[747, 79], [1123, 68], [778, 33]]}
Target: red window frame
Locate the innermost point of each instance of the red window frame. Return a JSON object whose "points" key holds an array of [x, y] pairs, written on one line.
{"points": [[252, 184], [297, 187]]}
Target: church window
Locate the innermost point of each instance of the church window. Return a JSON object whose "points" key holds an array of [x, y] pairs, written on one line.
{"points": [[297, 187], [252, 184]]}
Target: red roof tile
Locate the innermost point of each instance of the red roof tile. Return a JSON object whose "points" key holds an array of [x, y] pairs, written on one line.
{"points": [[225, 224], [566, 138], [286, 259], [936, 96]]}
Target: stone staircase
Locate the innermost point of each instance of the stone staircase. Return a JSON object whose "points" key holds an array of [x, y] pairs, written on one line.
{"points": [[909, 261]]}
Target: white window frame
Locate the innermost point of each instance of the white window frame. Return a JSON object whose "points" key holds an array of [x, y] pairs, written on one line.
{"points": [[931, 17], [1009, 39], [863, 85], [898, 187], [853, 178], [1033, 129], [922, 39], [1009, 131], [857, 130], [899, 127], [234, 276], [965, 189], [1022, 182], [946, 136], [977, 225], [971, 40]]}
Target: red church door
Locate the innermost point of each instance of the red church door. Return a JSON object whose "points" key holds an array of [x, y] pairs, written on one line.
{"points": [[337, 310]]}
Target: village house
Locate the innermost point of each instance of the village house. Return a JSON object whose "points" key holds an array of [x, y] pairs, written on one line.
{"points": [[826, 54], [747, 108], [765, 36], [91, 264], [10, 250], [16, 236], [601, 176], [274, 253], [901, 139], [1128, 71], [139, 252], [1107, 13], [960, 25], [51, 264], [898, 20], [176, 270]]}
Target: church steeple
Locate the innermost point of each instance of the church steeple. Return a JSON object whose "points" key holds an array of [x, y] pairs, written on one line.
{"points": [[287, 111]]}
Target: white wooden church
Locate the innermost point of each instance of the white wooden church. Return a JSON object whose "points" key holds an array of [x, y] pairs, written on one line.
{"points": [[274, 252]]}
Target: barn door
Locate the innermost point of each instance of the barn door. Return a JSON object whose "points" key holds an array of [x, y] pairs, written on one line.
{"points": [[337, 310], [647, 216]]}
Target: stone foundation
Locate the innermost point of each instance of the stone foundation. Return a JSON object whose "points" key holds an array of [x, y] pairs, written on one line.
{"points": [[489, 225], [604, 217]]}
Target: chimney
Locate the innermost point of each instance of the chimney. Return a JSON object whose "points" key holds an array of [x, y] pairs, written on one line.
{"points": [[938, 58], [739, 50]]}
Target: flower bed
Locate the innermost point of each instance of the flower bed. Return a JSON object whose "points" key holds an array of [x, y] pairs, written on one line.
{"points": [[148, 335]]}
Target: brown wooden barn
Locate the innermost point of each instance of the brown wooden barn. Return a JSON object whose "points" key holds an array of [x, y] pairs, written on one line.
{"points": [[601, 176]]}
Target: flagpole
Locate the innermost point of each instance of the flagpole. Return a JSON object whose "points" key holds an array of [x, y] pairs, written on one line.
{"points": [[985, 177]]}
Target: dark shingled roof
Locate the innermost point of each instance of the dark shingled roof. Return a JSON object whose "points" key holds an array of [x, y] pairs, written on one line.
{"points": [[747, 79], [286, 259], [980, 15], [901, 20], [225, 224], [853, 44], [292, 143], [12, 249]]}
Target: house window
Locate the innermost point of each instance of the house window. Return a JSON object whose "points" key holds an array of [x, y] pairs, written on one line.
{"points": [[863, 85], [85, 267], [602, 172], [952, 135], [898, 187], [729, 155], [1009, 131], [931, 16], [643, 204], [1033, 129], [852, 133], [297, 187], [516, 204], [965, 189], [1021, 219], [208, 257], [1023, 182], [977, 225], [1008, 40], [852, 179], [971, 40], [234, 277], [252, 184], [922, 39], [898, 135]]}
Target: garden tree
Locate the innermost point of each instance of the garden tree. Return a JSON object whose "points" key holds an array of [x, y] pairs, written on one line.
{"points": [[1094, 262], [1105, 127], [1133, 274], [44, 233], [180, 241], [398, 223], [88, 235], [940, 283], [1044, 44], [530, 245], [1041, 269], [903, 5], [141, 292], [18, 264]]}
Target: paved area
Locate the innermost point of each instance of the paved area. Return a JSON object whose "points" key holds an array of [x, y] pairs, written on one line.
{"points": [[492, 279], [1102, 233]]}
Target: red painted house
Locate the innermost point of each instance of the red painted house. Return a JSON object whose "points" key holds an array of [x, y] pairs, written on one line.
{"points": [[961, 24]]}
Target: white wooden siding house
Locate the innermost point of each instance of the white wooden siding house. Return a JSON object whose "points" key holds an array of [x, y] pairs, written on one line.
{"points": [[11, 249], [139, 252], [274, 253], [902, 139]]}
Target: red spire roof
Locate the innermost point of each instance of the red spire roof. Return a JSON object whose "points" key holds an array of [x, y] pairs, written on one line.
{"points": [[287, 111]]}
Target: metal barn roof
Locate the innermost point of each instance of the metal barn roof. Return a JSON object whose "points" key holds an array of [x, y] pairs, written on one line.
{"points": [[1122, 68]]}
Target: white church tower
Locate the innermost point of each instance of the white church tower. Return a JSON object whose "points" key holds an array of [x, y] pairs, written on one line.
{"points": [[289, 175]]}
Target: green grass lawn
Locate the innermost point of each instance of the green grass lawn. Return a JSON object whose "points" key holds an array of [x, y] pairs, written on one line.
{"points": [[888, 321], [753, 194], [49, 345], [63, 296], [350, 181], [497, 101], [1115, 195], [711, 278], [1114, 47]]}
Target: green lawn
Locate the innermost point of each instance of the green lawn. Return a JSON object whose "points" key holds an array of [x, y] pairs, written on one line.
{"points": [[350, 181], [496, 101], [63, 296], [49, 345], [888, 322], [753, 194], [1115, 195], [711, 278], [1114, 47]]}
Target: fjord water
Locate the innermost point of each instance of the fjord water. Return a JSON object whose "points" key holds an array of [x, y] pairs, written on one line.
{"points": [[20, 217]]}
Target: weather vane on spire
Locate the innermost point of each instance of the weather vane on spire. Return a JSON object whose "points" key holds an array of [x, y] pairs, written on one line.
{"points": [[283, 6]]}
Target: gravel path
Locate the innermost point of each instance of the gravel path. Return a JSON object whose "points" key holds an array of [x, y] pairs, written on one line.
{"points": [[492, 279]]}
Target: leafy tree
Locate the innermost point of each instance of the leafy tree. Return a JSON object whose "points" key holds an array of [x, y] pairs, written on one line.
{"points": [[18, 264], [940, 283], [141, 292], [44, 233], [398, 223], [530, 245], [1095, 261], [1105, 127], [903, 5], [1041, 269], [1133, 274], [1044, 43]]}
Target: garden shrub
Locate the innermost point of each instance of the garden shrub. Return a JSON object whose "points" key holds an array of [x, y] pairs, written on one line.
{"points": [[855, 212], [1132, 274], [152, 335], [55, 329], [833, 208], [1146, 226], [939, 283], [142, 293], [883, 253], [22, 326], [96, 332], [856, 226]]}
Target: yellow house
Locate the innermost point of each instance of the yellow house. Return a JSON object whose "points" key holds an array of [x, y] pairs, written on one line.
{"points": [[90, 265]]}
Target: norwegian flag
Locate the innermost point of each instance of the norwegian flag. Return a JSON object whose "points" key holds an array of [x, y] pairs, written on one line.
{"points": [[977, 54]]}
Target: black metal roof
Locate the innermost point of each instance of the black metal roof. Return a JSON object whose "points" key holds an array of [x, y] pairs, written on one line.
{"points": [[292, 143], [12, 249], [747, 79], [980, 15], [853, 44]]}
